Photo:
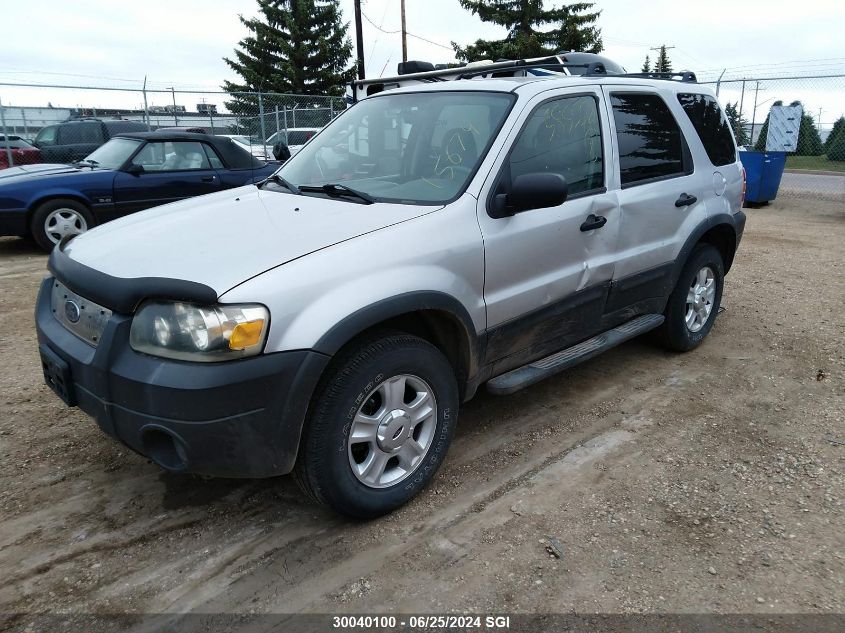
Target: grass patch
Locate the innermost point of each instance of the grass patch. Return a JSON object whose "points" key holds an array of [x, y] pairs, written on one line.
{"points": [[814, 162]]}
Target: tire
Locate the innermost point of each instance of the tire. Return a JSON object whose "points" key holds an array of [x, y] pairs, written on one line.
{"points": [[677, 333], [66, 216], [363, 385]]}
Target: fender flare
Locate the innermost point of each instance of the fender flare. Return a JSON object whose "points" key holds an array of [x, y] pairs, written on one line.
{"points": [[735, 222], [354, 324]]}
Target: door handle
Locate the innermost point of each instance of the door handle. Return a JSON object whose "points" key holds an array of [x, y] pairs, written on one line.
{"points": [[208, 178], [685, 200], [593, 222]]}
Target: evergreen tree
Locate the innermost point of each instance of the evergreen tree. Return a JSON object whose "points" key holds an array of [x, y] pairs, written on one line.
{"points": [[737, 122], [662, 64], [836, 148], [760, 144], [647, 66], [293, 46], [809, 141], [574, 30], [840, 124]]}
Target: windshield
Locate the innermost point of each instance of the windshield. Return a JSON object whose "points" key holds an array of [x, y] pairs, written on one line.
{"points": [[413, 148], [114, 154]]}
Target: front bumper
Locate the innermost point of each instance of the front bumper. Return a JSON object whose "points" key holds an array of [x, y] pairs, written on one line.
{"points": [[240, 418]]}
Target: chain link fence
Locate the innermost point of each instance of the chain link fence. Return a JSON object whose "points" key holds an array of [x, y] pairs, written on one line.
{"points": [[818, 165], [34, 114]]}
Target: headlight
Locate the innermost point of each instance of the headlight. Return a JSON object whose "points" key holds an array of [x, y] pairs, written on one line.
{"points": [[185, 331]]}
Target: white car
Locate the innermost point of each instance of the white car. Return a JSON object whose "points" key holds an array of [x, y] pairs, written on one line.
{"points": [[252, 145]]}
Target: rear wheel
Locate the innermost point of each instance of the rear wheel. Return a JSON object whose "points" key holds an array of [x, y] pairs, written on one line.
{"points": [[694, 303], [57, 219], [383, 419]]}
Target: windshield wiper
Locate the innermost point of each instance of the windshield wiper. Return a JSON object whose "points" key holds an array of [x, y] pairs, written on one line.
{"points": [[88, 161], [282, 181], [336, 189]]}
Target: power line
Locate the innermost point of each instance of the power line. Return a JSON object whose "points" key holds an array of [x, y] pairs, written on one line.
{"points": [[389, 32]]}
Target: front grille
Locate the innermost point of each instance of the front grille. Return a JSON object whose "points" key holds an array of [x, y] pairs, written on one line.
{"points": [[78, 315]]}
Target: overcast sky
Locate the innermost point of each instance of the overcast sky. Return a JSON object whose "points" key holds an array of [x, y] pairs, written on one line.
{"points": [[182, 43]]}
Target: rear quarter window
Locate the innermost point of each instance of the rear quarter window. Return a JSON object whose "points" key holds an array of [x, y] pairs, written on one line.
{"points": [[712, 127]]}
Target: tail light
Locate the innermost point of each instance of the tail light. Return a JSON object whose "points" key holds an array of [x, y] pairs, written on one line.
{"points": [[742, 198]]}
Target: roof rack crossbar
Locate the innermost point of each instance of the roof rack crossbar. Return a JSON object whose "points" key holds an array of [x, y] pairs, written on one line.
{"points": [[594, 68], [681, 75]]}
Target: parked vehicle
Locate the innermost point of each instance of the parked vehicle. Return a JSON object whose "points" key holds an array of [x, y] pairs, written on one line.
{"points": [[431, 239], [20, 151], [253, 145], [294, 137], [73, 140], [129, 173]]}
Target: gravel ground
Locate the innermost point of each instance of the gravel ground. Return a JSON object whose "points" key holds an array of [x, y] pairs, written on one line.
{"points": [[639, 482]]}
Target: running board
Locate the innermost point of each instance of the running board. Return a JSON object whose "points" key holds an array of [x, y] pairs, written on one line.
{"points": [[521, 377]]}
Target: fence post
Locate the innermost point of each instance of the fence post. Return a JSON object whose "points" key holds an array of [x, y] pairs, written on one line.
{"points": [[146, 110], [26, 131], [261, 114], [5, 136], [277, 119]]}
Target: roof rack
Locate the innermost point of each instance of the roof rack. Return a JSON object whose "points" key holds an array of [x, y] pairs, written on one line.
{"points": [[681, 75], [594, 68]]}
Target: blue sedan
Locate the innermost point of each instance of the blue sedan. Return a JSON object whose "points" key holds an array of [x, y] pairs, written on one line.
{"points": [[129, 173]]}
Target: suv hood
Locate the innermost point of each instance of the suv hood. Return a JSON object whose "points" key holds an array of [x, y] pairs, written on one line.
{"points": [[225, 238]]}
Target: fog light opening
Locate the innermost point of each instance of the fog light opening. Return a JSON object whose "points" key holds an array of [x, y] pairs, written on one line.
{"points": [[165, 449]]}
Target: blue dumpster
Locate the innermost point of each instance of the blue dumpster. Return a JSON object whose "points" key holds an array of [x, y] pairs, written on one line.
{"points": [[763, 171]]}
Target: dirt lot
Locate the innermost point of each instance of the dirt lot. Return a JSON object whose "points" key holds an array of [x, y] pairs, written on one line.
{"points": [[705, 482]]}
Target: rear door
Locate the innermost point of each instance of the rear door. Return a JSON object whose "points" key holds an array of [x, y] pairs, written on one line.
{"points": [[172, 170], [662, 196]]}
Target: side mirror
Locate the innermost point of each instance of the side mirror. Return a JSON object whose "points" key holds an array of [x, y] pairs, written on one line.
{"points": [[135, 170], [530, 191], [281, 151]]}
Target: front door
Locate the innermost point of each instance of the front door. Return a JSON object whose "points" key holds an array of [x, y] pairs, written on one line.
{"points": [[547, 274], [172, 170]]}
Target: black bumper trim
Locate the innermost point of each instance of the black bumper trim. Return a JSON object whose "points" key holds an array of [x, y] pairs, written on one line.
{"points": [[241, 418]]}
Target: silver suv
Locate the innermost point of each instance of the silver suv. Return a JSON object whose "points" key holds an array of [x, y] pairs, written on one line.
{"points": [[431, 239]]}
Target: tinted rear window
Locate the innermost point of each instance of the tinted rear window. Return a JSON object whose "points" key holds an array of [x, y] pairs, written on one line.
{"points": [[14, 142], [712, 127], [651, 145]]}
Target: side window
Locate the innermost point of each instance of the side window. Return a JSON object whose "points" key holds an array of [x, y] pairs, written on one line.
{"points": [[651, 145], [47, 136], [213, 158], [172, 156], [562, 136], [81, 133], [712, 127]]}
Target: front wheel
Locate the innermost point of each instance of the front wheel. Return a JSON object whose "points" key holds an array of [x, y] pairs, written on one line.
{"points": [[57, 219], [694, 303], [382, 422]]}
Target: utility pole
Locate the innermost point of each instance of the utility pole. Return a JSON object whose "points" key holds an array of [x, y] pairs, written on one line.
{"points": [[661, 53], [754, 113], [404, 35], [359, 35]]}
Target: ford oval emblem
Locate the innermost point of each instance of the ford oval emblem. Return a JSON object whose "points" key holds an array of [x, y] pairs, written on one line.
{"points": [[72, 311]]}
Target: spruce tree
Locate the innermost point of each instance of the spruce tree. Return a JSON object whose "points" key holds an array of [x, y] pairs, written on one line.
{"points": [[662, 64], [840, 124], [737, 122], [836, 148], [809, 141], [294, 47], [647, 66], [573, 29]]}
